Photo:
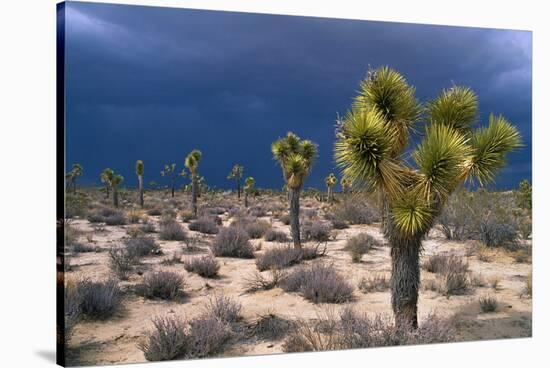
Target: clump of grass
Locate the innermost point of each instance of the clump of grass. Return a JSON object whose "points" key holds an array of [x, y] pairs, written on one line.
{"points": [[270, 326], [134, 231], [232, 241], [84, 248], [205, 225], [488, 304], [257, 211], [528, 289], [121, 261], [224, 308], [205, 266], [319, 283], [187, 216], [115, 219], [172, 230], [339, 224], [315, 231], [478, 280], [168, 339], [359, 245], [134, 216], [257, 229], [148, 227], [98, 299], [142, 246], [374, 283], [257, 281], [162, 284], [154, 211], [273, 235], [453, 271]]}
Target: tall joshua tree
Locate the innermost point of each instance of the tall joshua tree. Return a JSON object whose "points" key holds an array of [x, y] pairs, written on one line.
{"points": [[106, 177], [236, 174], [192, 163], [139, 173], [115, 182], [248, 188], [330, 181], [296, 158], [170, 172], [345, 184], [71, 176], [370, 142]]}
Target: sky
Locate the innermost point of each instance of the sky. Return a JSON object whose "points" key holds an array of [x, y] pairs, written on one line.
{"points": [[154, 83]]}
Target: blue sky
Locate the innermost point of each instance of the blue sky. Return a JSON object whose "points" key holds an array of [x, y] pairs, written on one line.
{"points": [[153, 83]]}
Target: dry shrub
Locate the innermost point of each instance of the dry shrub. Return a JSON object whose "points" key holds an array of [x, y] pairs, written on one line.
{"points": [[168, 339], [453, 272], [172, 230], [98, 299], [488, 304], [359, 245], [232, 241], [148, 227], [319, 283], [142, 246], [270, 326], [121, 261], [354, 212], [257, 281], [205, 266], [281, 257], [273, 235], [205, 225], [224, 308], [315, 231], [161, 284], [187, 216], [377, 283]]}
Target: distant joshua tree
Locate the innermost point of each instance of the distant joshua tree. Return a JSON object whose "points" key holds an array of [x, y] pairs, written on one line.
{"points": [[370, 144], [525, 196], [106, 176], [112, 180], [345, 184], [236, 174], [296, 158], [192, 163], [330, 181], [71, 176], [248, 188], [169, 172], [139, 173]]}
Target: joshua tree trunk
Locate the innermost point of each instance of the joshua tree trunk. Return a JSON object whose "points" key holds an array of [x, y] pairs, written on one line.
{"points": [[140, 183], [74, 185], [405, 280], [194, 188], [294, 199], [107, 191], [245, 198], [115, 197], [238, 190], [173, 186]]}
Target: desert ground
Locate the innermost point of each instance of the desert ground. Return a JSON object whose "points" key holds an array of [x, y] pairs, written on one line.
{"points": [[500, 274]]}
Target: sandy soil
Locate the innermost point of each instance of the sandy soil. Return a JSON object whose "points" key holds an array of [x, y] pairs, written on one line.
{"points": [[114, 340]]}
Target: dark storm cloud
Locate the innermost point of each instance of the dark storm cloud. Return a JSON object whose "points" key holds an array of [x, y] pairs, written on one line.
{"points": [[153, 83]]}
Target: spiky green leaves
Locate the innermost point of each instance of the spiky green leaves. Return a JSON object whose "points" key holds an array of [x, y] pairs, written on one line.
{"points": [[111, 179], [192, 160], [139, 167], [363, 150], [249, 183], [412, 215], [331, 180], [236, 172], [490, 146], [456, 107], [441, 158], [296, 158]]}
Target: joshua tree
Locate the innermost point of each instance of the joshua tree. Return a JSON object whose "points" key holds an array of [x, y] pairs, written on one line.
{"points": [[115, 182], [330, 181], [192, 163], [71, 176], [345, 184], [525, 194], [296, 158], [139, 173], [169, 171], [370, 142], [248, 188], [236, 174], [106, 176]]}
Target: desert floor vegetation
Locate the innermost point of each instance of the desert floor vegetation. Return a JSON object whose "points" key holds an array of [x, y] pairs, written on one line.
{"points": [[147, 297]]}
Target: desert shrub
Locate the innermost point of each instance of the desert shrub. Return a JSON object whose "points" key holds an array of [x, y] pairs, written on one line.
{"points": [[224, 308], [270, 326], [498, 234], [285, 219], [494, 282], [377, 282], [133, 231], [257, 211], [359, 245], [257, 229], [309, 213], [168, 339], [319, 283], [98, 299], [134, 216], [525, 225], [455, 282], [453, 271], [148, 227], [488, 304], [316, 230], [209, 335], [457, 217], [205, 266], [232, 241], [75, 205], [339, 224], [115, 219], [172, 230], [477, 280], [257, 281], [154, 211], [523, 255], [355, 212], [187, 215], [121, 261], [349, 330], [281, 257], [142, 246], [162, 284], [84, 248], [205, 225], [276, 236], [71, 308]]}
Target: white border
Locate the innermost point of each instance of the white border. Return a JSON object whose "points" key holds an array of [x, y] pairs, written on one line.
{"points": [[27, 182]]}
